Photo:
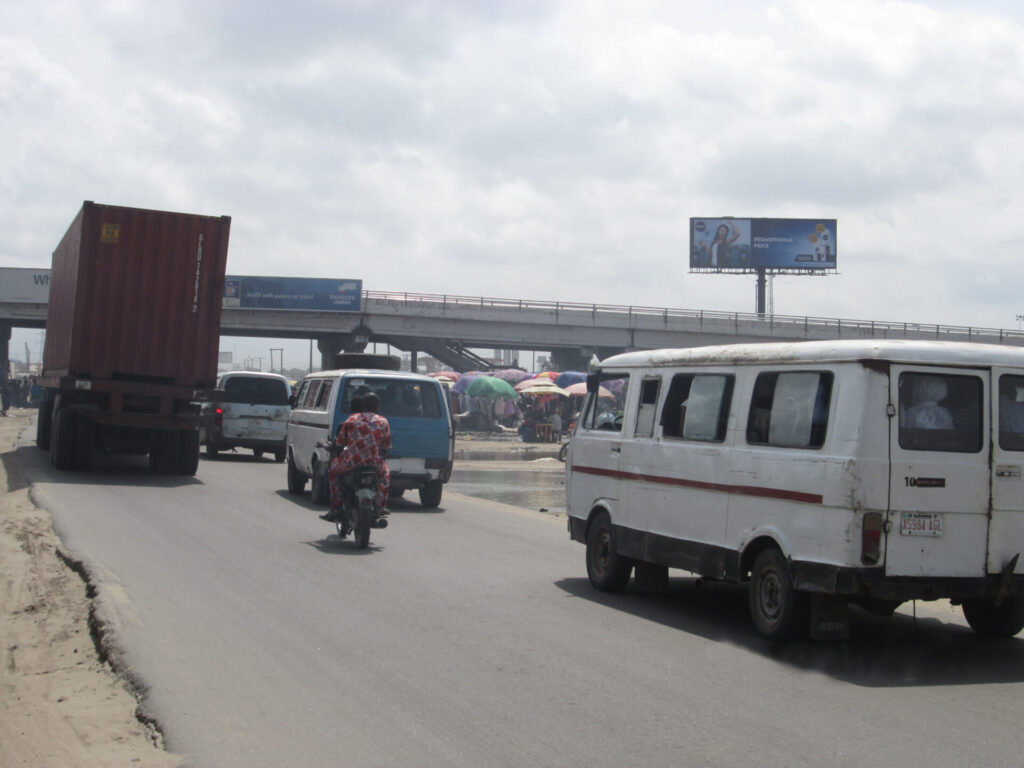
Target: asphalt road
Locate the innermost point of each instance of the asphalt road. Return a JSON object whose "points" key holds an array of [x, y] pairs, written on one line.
{"points": [[469, 636]]}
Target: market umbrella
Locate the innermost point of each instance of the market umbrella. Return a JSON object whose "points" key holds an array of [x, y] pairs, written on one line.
{"points": [[581, 389], [540, 387], [547, 375], [491, 388], [511, 375], [450, 375], [568, 378], [464, 381]]}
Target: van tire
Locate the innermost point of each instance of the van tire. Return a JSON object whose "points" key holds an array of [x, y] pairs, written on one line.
{"points": [[430, 494], [607, 570], [320, 488], [296, 480], [778, 610], [989, 620], [279, 455]]}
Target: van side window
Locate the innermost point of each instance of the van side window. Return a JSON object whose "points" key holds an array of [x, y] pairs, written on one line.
{"points": [[790, 409], [604, 411], [940, 412], [697, 407], [324, 396], [648, 406], [310, 399], [1011, 413], [300, 396]]}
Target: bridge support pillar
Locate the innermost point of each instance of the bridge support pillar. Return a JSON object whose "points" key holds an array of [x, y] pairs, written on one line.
{"points": [[5, 347], [574, 359]]}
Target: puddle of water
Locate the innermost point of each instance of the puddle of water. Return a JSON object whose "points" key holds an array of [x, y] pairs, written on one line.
{"points": [[526, 488]]}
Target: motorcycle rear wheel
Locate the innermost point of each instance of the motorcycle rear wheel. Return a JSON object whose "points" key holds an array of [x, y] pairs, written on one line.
{"points": [[361, 524]]}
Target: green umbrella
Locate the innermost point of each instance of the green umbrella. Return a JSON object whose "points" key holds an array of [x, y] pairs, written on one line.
{"points": [[491, 388]]}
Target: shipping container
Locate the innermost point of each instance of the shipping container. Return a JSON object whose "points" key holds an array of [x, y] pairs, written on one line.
{"points": [[132, 334]]}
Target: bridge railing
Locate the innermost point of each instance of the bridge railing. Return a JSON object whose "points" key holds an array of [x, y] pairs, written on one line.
{"points": [[814, 327]]}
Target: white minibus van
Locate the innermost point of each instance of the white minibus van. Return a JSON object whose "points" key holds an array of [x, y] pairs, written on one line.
{"points": [[823, 473]]}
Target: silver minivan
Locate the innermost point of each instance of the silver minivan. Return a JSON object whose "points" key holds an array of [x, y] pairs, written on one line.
{"points": [[254, 414]]}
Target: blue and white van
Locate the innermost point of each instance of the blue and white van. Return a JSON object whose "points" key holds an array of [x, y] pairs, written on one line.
{"points": [[416, 407]]}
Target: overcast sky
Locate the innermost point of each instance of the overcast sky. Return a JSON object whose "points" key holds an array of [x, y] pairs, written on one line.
{"points": [[537, 149]]}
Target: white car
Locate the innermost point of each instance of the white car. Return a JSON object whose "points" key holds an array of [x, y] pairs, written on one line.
{"points": [[254, 414]]}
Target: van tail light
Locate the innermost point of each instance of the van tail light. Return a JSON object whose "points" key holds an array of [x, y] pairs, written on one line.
{"points": [[218, 417], [871, 538], [435, 463]]}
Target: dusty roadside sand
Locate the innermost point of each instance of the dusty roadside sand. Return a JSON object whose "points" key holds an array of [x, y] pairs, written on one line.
{"points": [[61, 703]]}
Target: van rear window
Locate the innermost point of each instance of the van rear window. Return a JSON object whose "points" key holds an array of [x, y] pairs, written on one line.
{"points": [[256, 391], [790, 409], [398, 398]]}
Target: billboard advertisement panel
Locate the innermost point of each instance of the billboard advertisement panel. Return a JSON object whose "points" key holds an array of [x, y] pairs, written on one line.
{"points": [[312, 293], [744, 245]]}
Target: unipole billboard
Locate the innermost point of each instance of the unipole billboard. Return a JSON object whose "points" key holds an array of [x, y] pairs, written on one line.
{"points": [[780, 246]]}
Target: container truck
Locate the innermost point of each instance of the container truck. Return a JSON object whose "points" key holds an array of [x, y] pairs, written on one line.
{"points": [[132, 336]]}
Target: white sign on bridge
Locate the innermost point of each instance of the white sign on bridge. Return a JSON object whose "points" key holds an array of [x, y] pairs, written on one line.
{"points": [[31, 286]]}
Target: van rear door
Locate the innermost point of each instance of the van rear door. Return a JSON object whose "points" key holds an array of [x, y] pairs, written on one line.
{"points": [[1006, 529], [939, 472]]}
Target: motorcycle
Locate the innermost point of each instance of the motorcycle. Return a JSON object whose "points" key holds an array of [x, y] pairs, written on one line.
{"points": [[360, 509]]}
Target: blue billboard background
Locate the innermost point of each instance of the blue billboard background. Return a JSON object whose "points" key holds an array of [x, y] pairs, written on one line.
{"points": [[773, 244], [313, 293]]}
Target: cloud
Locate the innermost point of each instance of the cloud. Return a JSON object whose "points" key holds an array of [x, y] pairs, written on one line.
{"points": [[540, 150]]}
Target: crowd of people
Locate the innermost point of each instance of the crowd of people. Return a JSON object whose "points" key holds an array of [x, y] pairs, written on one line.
{"points": [[19, 392]]}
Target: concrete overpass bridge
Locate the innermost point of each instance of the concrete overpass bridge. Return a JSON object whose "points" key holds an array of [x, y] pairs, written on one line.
{"points": [[449, 327]]}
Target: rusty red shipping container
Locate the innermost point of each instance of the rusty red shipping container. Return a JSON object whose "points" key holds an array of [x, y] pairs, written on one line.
{"points": [[136, 295]]}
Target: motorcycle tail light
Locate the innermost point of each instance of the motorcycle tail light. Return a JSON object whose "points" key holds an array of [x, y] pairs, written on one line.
{"points": [[871, 538]]}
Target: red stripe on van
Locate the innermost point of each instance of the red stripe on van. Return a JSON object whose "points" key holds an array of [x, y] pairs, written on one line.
{"points": [[745, 490]]}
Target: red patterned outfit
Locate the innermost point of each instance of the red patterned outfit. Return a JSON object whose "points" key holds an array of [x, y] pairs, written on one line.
{"points": [[367, 440]]}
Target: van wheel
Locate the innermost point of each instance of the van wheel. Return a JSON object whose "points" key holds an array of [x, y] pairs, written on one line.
{"points": [[430, 494], [257, 452], [778, 610], [320, 488], [296, 480], [988, 620], [607, 570], [279, 455]]}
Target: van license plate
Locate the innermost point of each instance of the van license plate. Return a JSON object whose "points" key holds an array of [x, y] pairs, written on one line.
{"points": [[920, 524]]}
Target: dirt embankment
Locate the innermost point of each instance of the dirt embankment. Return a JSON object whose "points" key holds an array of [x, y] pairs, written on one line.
{"points": [[62, 704]]}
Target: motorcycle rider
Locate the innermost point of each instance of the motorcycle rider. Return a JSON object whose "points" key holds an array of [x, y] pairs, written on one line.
{"points": [[366, 439]]}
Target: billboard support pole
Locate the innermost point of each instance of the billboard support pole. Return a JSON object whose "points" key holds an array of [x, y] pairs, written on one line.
{"points": [[762, 282]]}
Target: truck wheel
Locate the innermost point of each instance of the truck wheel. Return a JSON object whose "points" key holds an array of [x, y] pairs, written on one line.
{"points": [[44, 423], [988, 620], [778, 610], [62, 439], [188, 453], [257, 452], [85, 437], [163, 452], [430, 494], [296, 480], [211, 447], [320, 489], [607, 570]]}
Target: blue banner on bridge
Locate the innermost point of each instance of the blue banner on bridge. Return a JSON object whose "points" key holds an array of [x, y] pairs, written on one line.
{"points": [[312, 293]]}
